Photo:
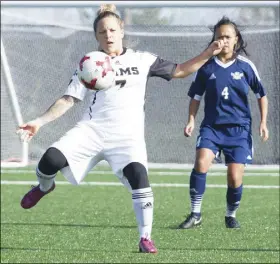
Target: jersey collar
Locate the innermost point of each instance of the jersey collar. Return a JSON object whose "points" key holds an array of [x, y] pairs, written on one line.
{"points": [[123, 52], [224, 65]]}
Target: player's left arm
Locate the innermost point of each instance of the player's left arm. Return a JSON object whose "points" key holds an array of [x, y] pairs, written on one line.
{"points": [[185, 69], [257, 87], [167, 70], [263, 106]]}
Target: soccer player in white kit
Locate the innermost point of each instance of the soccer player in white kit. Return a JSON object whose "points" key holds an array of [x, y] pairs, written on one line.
{"points": [[112, 127]]}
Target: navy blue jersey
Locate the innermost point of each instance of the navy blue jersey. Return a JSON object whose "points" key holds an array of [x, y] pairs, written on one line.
{"points": [[226, 88]]}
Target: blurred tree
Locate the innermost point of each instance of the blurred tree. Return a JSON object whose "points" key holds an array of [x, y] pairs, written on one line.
{"points": [[146, 16], [259, 16]]}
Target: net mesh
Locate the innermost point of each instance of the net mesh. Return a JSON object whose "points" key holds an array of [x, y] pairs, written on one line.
{"points": [[42, 59]]}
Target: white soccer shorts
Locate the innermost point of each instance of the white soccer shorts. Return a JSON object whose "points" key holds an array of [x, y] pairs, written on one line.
{"points": [[84, 147]]}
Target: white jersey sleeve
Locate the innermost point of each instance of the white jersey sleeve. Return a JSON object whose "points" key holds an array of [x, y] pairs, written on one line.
{"points": [[76, 88], [148, 57]]}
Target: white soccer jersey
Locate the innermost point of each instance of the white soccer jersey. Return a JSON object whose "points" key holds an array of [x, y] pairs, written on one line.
{"points": [[112, 127], [122, 106]]}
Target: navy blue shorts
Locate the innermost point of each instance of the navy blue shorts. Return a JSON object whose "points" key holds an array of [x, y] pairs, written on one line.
{"points": [[235, 142]]}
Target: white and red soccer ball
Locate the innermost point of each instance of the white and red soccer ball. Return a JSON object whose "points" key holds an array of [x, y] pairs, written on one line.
{"points": [[95, 71]]}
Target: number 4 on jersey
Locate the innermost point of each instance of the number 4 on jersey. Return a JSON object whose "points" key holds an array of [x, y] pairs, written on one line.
{"points": [[225, 93]]}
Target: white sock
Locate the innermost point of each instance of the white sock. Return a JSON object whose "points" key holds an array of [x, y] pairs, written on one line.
{"points": [[196, 202], [143, 204], [231, 210], [45, 181]]}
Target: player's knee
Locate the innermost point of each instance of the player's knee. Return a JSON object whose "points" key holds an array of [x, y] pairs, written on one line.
{"points": [[136, 175], [52, 161], [234, 180], [201, 165]]}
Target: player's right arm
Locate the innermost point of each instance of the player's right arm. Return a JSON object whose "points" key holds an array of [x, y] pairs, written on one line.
{"points": [[75, 92], [193, 108], [196, 92], [56, 110]]}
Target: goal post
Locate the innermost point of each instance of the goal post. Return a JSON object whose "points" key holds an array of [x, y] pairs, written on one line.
{"points": [[40, 47], [22, 159]]}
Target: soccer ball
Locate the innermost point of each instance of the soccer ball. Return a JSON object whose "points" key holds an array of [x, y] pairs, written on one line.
{"points": [[95, 71]]}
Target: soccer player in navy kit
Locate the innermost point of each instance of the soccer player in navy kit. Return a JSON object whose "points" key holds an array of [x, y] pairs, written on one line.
{"points": [[225, 80]]}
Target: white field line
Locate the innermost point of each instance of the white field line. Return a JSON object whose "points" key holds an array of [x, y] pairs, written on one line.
{"points": [[162, 166], [152, 184], [214, 167], [159, 173]]}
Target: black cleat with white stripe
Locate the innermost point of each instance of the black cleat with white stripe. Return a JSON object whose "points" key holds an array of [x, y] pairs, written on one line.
{"points": [[231, 222], [190, 222]]}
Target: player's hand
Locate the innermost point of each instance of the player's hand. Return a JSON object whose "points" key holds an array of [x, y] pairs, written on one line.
{"points": [[264, 134], [189, 129], [215, 47], [28, 130]]}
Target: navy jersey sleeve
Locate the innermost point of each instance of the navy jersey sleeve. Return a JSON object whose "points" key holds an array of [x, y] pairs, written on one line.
{"points": [[254, 81], [162, 68], [198, 86]]}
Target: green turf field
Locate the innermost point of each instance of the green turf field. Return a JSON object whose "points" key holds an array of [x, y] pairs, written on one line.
{"points": [[95, 223]]}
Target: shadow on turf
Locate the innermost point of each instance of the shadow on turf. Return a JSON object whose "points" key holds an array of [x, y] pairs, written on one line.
{"points": [[83, 225], [161, 248], [55, 249], [68, 225], [223, 249]]}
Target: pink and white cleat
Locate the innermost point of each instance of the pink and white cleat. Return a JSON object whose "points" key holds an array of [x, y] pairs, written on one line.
{"points": [[147, 246], [34, 196]]}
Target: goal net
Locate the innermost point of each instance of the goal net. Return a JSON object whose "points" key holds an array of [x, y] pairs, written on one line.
{"points": [[40, 49]]}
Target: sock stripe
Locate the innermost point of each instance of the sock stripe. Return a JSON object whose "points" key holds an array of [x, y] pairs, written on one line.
{"points": [[44, 176], [142, 195], [233, 200], [196, 202]]}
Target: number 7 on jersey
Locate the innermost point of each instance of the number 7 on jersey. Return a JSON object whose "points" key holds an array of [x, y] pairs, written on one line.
{"points": [[121, 83]]}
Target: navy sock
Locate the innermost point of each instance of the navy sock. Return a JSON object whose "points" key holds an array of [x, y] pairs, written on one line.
{"points": [[197, 189], [233, 200]]}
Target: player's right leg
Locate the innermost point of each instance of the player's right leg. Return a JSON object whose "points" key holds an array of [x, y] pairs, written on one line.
{"points": [[74, 154], [204, 157], [51, 162]]}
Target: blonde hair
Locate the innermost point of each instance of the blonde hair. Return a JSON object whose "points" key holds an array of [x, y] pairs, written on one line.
{"points": [[107, 10]]}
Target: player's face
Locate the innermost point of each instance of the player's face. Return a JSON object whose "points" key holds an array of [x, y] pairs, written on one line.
{"points": [[109, 34], [228, 35]]}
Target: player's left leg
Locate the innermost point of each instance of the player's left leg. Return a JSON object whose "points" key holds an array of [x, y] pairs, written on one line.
{"points": [[143, 203], [238, 151], [129, 163], [234, 193]]}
